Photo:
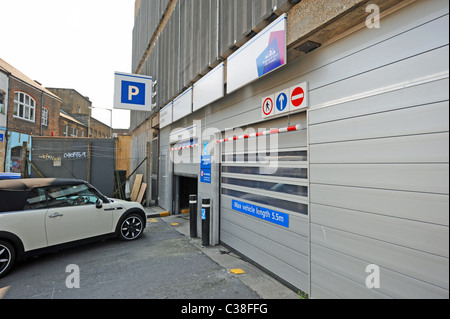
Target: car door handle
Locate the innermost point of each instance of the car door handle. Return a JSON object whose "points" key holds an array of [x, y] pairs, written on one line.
{"points": [[56, 215]]}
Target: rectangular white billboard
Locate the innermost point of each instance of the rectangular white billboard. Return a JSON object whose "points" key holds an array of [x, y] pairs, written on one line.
{"points": [[182, 105], [264, 53], [209, 88], [165, 115]]}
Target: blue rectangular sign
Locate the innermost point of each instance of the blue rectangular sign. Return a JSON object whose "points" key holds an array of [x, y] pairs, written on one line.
{"points": [[266, 214], [1, 137], [205, 176], [133, 93], [206, 162]]}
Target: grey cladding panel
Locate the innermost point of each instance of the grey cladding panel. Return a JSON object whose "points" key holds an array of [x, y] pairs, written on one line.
{"points": [[416, 235], [379, 162], [186, 40], [424, 119], [203, 28], [243, 18], [392, 283], [424, 207], [431, 92], [427, 148], [420, 265], [340, 286], [415, 67], [411, 177], [226, 22]]}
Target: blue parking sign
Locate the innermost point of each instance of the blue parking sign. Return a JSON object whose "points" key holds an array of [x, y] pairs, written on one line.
{"points": [[133, 92]]}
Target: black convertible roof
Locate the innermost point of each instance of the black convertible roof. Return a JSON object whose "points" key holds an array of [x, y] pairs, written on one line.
{"points": [[28, 184], [14, 193]]}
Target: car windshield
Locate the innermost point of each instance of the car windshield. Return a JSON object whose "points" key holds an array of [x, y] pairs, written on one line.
{"points": [[75, 195]]}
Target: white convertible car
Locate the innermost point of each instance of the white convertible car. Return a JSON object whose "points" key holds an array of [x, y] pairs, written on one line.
{"points": [[38, 215]]}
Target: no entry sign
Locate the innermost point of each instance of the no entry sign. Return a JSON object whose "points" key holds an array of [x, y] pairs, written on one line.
{"points": [[299, 97]]}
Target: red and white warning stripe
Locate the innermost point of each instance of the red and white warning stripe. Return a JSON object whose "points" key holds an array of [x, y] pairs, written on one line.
{"points": [[184, 147], [247, 136], [262, 133]]}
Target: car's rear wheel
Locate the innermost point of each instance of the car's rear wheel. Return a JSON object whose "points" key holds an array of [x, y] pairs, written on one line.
{"points": [[131, 227], [7, 257]]}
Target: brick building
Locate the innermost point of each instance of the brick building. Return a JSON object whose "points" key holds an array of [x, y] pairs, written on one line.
{"points": [[70, 126], [30, 110], [4, 84], [79, 108]]}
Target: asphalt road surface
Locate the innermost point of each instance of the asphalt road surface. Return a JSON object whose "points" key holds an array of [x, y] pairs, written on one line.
{"points": [[163, 264]]}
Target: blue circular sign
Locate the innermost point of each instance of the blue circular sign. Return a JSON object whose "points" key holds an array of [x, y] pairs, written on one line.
{"points": [[282, 101]]}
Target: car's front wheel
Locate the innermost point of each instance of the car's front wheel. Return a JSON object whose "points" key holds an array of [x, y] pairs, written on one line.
{"points": [[131, 228], [7, 257]]}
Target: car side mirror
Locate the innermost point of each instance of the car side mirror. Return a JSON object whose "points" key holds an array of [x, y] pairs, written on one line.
{"points": [[99, 203]]}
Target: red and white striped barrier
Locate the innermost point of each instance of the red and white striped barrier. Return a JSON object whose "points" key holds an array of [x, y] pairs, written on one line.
{"points": [[184, 147], [247, 136], [262, 133]]}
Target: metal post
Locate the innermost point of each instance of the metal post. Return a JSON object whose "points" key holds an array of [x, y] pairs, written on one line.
{"points": [[89, 158], [24, 166], [193, 214], [206, 214]]}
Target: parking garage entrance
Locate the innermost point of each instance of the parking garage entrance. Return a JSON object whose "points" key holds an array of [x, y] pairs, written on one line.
{"points": [[184, 186]]}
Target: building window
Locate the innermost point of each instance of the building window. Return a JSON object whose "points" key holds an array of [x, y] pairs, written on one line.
{"points": [[74, 132], [66, 131], [2, 102], [45, 116], [24, 106]]}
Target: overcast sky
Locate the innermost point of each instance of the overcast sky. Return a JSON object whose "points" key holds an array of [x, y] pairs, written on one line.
{"points": [[75, 44]]}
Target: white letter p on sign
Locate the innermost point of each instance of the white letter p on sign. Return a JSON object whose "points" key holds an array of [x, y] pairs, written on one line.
{"points": [[132, 91]]}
